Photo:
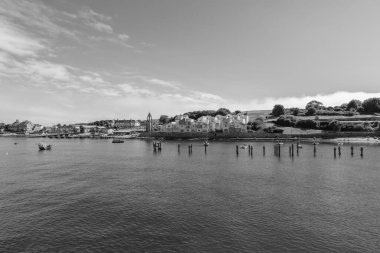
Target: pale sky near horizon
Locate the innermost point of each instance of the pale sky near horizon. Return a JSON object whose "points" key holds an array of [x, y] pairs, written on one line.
{"points": [[73, 61]]}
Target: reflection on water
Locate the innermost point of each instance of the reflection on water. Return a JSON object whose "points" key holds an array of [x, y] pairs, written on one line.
{"points": [[98, 196]]}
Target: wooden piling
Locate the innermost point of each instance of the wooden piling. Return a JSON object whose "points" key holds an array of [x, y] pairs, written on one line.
{"points": [[279, 150], [361, 151], [298, 146], [237, 149], [179, 147], [292, 149], [339, 153], [263, 150], [334, 152], [315, 150], [352, 150]]}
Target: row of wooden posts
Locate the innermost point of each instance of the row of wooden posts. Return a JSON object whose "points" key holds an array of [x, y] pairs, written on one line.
{"points": [[277, 149], [157, 146]]}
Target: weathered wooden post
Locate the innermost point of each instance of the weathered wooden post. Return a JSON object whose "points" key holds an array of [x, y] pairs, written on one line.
{"points": [[191, 148], [339, 153], [352, 150], [361, 151], [298, 146], [279, 150], [292, 149], [334, 152], [237, 150], [179, 147], [263, 150], [205, 148], [315, 150], [251, 150]]}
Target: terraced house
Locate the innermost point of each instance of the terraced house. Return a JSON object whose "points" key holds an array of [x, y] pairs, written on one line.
{"points": [[219, 123]]}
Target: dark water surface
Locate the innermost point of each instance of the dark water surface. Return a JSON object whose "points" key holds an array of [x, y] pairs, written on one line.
{"points": [[95, 196]]}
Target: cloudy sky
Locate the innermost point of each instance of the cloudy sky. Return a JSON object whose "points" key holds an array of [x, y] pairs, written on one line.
{"points": [[79, 60]]}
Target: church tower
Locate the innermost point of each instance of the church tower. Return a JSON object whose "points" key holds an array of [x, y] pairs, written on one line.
{"points": [[149, 123]]}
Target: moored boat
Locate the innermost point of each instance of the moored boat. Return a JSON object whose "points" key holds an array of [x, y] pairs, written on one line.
{"points": [[44, 146], [117, 141]]}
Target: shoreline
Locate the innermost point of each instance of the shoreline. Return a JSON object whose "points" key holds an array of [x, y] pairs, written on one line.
{"points": [[268, 138]]}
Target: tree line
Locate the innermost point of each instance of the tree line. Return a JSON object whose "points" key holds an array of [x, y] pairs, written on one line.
{"points": [[164, 119], [314, 107]]}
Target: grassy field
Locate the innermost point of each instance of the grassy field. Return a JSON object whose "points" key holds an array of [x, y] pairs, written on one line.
{"points": [[343, 118], [254, 114]]}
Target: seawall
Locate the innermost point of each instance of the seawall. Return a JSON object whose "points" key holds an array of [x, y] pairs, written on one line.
{"points": [[255, 135]]}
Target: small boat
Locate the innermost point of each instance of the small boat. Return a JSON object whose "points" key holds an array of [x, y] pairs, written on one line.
{"points": [[315, 143], [244, 147], [44, 146], [206, 144], [117, 141], [279, 143], [299, 146]]}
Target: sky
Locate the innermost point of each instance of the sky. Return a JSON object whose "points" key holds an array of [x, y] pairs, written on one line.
{"points": [[69, 61]]}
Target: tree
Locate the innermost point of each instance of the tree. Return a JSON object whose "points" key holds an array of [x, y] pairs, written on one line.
{"points": [[315, 104], [311, 111], [163, 119], [354, 103], [222, 111], [237, 112], [371, 105], [257, 124], [81, 129], [344, 107], [286, 121], [307, 124], [278, 110], [295, 111]]}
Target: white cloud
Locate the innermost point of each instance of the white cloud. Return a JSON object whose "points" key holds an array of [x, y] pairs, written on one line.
{"points": [[163, 83], [13, 40], [36, 15], [123, 37], [101, 27], [207, 96], [96, 20]]}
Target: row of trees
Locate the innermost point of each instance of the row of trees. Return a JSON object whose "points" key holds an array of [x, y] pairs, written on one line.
{"points": [[314, 107]]}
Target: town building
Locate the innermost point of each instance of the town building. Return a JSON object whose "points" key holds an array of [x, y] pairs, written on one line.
{"points": [[23, 127], [125, 123], [229, 123]]}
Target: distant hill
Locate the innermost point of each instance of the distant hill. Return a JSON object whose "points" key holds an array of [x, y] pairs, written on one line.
{"points": [[254, 114]]}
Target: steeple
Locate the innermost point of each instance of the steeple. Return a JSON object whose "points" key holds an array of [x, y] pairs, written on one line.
{"points": [[149, 123]]}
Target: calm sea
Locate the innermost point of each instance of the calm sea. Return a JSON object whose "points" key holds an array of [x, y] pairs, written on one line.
{"points": [[95, 196]]}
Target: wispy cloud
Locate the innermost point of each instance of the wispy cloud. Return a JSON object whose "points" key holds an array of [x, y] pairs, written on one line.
{"points": [[123, 37], [96, 20], [35, 14], [163, 83], [15, 41]]}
